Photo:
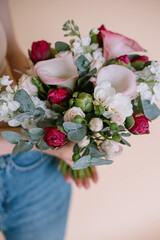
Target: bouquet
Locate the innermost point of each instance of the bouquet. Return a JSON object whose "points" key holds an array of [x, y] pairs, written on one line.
{"points": [[94, 91]]}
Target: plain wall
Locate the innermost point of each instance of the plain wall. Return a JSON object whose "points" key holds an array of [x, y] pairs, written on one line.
{"points": [[125, 204]]}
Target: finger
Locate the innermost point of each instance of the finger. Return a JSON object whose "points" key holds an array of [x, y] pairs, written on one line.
{"points": [[78, 182], [86, 183], [94, 174], [67, 177]]}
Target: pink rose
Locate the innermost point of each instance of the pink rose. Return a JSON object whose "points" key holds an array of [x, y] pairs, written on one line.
{"points": [[41, 50], [58, 96], [140, 124], [140, 59], [54, 137], [124, 59], [116, 45]]}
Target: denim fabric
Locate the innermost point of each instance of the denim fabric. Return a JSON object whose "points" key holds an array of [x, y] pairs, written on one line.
{"points": [[34, 197]]}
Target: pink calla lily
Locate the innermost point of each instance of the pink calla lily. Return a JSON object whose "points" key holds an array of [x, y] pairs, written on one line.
{"points": [[121, 78], [58, 71], [116, 45]]}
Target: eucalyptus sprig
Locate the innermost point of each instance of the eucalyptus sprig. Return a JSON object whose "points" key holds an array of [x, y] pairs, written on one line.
{"points": [[72, 27]]}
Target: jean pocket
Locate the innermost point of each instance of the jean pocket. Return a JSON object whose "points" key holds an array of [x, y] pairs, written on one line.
{"points": [[29, 160]]}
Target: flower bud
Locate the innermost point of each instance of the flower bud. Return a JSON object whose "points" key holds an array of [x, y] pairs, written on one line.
{"points": [[78, 119], [58, 96], [84, 101], [84, 142], [96, 124], [114, 126], [138, 62], [41, 50], [137, 124], [116, 137], [54, 137]]}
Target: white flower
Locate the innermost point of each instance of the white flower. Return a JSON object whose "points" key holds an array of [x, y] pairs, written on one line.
{"points": [[77, 47], [156, 90], [5, 81], [97, 54], [13, 105], [94, 46], [96, 124], [72, 112], [104, 93], [144, 90], [95, 31], [89, 57], [121, 104], [117, 118], [28, 124], [85, 141], [111, 148], [25, 82], [85, 41]]}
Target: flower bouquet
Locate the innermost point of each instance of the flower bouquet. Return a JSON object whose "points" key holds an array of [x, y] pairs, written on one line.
{"points": [[91, 91]]}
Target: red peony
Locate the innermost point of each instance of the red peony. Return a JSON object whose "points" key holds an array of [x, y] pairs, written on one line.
{"points": [[141, 125], [41, 50], [54, 137], [58, 96], [140, 59], [123, 58]]}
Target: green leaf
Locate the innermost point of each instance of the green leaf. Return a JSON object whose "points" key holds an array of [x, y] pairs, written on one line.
{"points": [[11, 137], [129, 122], [123, 141], [58, 108], [94, 152], [99, 161], [38, 112], [83, 65], [37, 131], [61, 46], [83, 162], [21, 147], [26, 103], [99, 109], [22, 116], [76, 148], [70, 126], [42, 145], [126, 134], [46, 122], [151, 111]]}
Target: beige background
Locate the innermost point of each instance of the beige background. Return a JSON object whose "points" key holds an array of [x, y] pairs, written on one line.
{"points": [[125, 204]]}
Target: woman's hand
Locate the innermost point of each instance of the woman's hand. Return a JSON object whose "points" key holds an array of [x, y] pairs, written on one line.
{"points": [[65, 153]]}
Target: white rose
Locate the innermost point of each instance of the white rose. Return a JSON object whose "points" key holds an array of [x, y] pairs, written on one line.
{"points": [[85, 141], [25, 82], [72, 112], [96, 124], [104, 93], [86, 41], [111, 148], [117, 118]]}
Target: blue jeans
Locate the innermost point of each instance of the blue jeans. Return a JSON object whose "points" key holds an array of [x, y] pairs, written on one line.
{"points": [[34, 197]]}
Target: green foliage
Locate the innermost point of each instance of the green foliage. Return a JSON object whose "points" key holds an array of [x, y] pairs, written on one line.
{"points": [[25, 101], [151, 111], [11, 137], [129, 122], [99, 109], [46, 122], [75, 132], [61, 46], [83, 65], [72, 28]]}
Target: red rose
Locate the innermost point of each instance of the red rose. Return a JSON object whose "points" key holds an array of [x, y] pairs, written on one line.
{"points": [[141, 124], [54, 137], [140, 59], [123, 58], [58, 96], [41, 50]]}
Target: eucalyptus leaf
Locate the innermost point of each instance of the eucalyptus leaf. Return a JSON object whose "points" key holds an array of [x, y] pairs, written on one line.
{"points": [[11, 136], [46, 122], [123, 141], [38, 112], [22, 116], [83, 65], [76, 148], [77, 133], [70, 126], [126, 134], [95, 152], [26, 103], [151, 111], [83, 162], [61, 46], [37, 131], [21, 147], [99, 161], [42, 145]]}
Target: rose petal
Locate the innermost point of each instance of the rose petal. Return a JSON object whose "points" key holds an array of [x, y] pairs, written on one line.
{"points": [[121, 78], [116, 45], [57, 70]]}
